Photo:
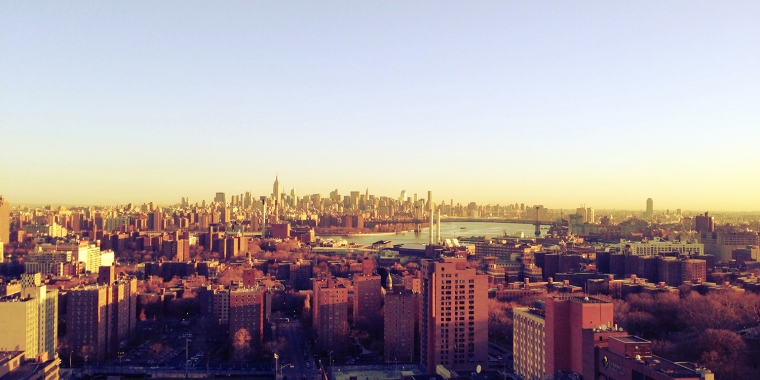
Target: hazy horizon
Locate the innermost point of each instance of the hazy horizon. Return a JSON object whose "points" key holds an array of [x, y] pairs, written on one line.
{"points": [[560, 104]]}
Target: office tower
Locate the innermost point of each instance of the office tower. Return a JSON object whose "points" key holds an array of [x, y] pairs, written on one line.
{"points": [[247, 312], [220, 198], [367, 297], [354, 200], [453, 315], [5, 222], [330, 314], [293, 198], [704, 223], [402, 196], [590, 215], [248, 200], [401, 319], [29, 319], [650, 208], [276, 189]]}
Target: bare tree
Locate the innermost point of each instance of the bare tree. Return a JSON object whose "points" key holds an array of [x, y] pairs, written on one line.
{"points": [[241, 344]]}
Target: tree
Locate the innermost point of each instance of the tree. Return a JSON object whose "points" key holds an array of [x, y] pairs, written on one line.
{"points": [[241, 344], [158, 350], [230, 275], [65, 349], [87, 353], [722, 351], [276, 346]]}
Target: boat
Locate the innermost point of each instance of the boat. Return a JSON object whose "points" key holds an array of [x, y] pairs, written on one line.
{"points": [[462, 228]]}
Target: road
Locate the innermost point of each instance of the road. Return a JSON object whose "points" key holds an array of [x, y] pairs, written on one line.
{"points": [[494, 351], [296, 353]]}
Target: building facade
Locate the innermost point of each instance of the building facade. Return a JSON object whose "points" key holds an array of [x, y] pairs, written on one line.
{"points": [[368, 297], [529, 343], [400, 320], [330, 314], [247, 312], [453, 315]]}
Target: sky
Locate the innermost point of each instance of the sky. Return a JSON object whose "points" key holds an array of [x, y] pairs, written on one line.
{"points": [[542, 102]]}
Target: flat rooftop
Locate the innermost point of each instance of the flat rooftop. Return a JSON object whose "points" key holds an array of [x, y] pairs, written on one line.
{"points": [[375, 372], [587, 300], [630, 339]]}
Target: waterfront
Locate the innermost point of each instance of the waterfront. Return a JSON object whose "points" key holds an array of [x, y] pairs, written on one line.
{"points": [[449, 230]]}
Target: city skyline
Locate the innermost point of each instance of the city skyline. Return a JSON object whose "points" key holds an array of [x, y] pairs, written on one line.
{"points": [[409, 194], [542, 103]]}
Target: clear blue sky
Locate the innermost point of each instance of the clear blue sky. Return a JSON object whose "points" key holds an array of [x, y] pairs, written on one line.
{"points": [[557, 103]]}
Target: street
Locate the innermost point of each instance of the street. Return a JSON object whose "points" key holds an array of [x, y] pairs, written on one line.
{"points": [[296, 353]]}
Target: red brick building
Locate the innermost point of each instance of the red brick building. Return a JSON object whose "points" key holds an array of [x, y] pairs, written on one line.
{"points": [[453, 315]]}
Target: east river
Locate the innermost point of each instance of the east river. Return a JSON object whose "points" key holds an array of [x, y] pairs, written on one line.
{"points": [[449, 230]]}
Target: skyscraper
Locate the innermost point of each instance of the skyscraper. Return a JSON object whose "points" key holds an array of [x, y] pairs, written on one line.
{"points": [[276, 188], [220, 198], [650, 208], [453, 315]]}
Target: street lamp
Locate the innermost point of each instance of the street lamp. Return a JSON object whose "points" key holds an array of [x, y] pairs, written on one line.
{"points": [[285, 365], [331, 361]]}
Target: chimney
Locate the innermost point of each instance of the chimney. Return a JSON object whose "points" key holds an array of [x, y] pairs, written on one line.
{"points": [[438, 227], [430, 211]]}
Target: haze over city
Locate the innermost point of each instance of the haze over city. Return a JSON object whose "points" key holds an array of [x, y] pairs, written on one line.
{"points": [[416, 190], [541, 102]]}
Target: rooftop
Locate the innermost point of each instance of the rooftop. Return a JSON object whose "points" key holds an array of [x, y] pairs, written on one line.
{"points": [[587, 300], [375, 372], [630, 339]]}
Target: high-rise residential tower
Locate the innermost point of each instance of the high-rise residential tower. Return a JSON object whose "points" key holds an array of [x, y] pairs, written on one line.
{"points": [[330, 313], [453, 315], [368, 297], [5, 222]]}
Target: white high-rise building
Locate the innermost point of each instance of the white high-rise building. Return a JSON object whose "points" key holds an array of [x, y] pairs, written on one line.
{"points": [[29, 320]]}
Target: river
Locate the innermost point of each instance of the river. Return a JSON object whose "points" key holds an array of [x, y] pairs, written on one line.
{"points": [[449, 230]]}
